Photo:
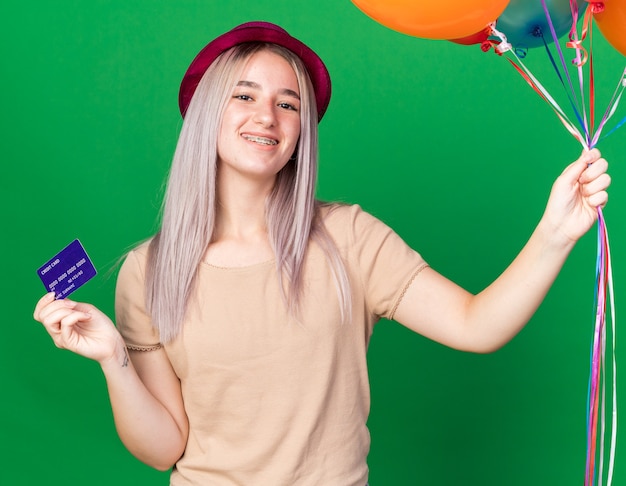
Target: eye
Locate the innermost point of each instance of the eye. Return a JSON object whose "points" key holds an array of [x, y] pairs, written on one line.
{"points": [[288, 106], [242, 97]]}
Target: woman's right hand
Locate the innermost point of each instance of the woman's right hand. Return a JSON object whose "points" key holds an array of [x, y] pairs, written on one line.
{"points": [[79, 327], [145, 393]]}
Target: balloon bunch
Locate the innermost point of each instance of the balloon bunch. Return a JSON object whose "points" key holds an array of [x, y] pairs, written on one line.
{"points": [[468, 21], [534, 34], [512, 27], [531, 30], [525, 24]]}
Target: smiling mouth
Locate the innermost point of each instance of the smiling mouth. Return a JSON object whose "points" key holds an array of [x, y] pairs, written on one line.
{"points": [[260, 140]]}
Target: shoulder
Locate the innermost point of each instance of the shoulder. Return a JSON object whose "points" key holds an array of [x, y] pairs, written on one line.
{"points": [[142, 249], [349, 221], [132, 318], [338, 214], [134, 265]]}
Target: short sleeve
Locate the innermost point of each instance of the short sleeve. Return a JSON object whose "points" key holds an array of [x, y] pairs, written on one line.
{"points": [[387, 265], [131, 316]]}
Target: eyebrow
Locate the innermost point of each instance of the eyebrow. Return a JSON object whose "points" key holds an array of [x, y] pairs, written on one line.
{"points": [[284, 91]]}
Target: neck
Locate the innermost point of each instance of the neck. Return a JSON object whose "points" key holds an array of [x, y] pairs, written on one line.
{"points": [[240, 235], [241, 208]]}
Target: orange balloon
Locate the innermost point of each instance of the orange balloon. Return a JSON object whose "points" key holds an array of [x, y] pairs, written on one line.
{"points": [[612, 22], [434, 19]]}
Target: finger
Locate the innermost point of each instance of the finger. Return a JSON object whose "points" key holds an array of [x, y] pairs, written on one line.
{"points": [[83, 307], [573, 172], [44, 301], [599, 184], [593, 171], [62, 332], [598, 200], [75, 316], [52, 322], [53, 307], [69, 321], [590, 156]]}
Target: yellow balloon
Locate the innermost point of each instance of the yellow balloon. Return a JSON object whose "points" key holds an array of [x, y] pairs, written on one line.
{"points": [[612, 22], [434, 19]]}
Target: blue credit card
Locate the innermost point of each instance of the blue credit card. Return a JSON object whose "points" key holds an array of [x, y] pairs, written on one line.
{"points": [[68, 270]]}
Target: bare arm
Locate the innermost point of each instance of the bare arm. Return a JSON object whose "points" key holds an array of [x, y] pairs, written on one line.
{"points": [[145, 393], [444, 312]]}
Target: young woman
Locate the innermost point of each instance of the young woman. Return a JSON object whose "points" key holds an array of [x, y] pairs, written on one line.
{"points": [[244, 323]]}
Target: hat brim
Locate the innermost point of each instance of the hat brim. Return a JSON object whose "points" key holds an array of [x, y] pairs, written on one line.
{"points": [[257, 32]]}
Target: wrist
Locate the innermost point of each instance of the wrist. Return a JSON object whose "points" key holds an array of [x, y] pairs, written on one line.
{"points": [[553, 236], [117, 359]]}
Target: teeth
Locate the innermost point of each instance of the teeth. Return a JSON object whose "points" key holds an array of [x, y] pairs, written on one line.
{"points": [[261, 140]]}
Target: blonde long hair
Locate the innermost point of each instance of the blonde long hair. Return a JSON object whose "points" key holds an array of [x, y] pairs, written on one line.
{"points": [[189, 207]]}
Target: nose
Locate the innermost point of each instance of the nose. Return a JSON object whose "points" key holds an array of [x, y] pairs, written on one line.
{"points": [[265, 114]]}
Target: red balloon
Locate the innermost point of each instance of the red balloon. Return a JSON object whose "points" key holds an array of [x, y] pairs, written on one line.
{"points": [[477, 38]]}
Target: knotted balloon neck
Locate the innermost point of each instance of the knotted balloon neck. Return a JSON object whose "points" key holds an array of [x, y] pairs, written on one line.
{"points": [[596, 7]]}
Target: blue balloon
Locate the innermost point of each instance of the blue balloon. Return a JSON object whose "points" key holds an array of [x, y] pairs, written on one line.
{"points": [[525, 25]]}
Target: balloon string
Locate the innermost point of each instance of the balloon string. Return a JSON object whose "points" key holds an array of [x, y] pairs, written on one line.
{"points": [[596, 402], [504, 47], [574, 41], [592, 93], [590, 474], [611, 109], [601, 357], [558, 46], [613, 441], [591, 395], [615, 127], [589, 139], [571, 95], [576, 44], [607, 286]]}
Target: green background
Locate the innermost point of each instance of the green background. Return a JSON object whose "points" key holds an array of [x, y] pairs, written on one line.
{"points": [[445, 143]]}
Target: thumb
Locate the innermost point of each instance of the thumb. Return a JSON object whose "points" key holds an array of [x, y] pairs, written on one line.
{"points": [[82, 306], [572, 172]]}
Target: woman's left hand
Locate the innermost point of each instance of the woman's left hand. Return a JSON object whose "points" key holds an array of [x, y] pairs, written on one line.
{"points": [[576, 195]]}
